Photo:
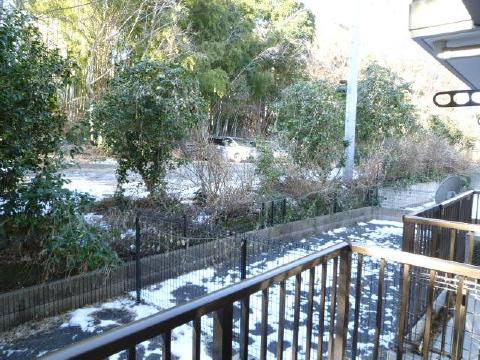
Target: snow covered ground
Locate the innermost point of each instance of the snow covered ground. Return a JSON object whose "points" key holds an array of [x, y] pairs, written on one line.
{"points": [[98, 178], [84, 322]]}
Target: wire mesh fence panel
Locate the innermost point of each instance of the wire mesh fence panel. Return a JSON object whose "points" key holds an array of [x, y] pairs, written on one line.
{"points": [[375, 298], [307, 313], [419, 312], [408, 197]]}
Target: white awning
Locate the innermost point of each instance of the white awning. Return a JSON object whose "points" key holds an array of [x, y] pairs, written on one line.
{"points": [[450, 31]]}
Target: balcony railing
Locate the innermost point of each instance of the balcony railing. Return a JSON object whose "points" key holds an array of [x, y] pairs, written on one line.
{"points": [[355, 304], [446, 230]]}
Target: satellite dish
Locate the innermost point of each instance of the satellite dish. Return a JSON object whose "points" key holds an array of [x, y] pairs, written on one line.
{"points": [[450, 187]]}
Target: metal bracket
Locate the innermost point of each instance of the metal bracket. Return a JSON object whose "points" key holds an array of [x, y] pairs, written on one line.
{"points": [[472, 95]]}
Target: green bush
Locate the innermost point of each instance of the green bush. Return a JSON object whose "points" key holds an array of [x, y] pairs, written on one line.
{"points": [[49, 224], [145, 112], [310, 114], [384, 108], [31, 123], [76, 247], [446, 129], [271, 169], [39, 218]]}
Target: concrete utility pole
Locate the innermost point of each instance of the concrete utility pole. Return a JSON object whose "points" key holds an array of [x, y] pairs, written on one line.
{"points": [[351, 106]]}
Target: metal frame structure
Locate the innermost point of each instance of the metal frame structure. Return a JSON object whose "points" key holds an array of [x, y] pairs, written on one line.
{"points": [[452, 102]]}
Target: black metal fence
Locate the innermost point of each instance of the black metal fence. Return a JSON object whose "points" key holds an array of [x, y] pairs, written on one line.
{"points": [[159, 248], [263, 214], [278, 211], [155, 256], [335, 317]]}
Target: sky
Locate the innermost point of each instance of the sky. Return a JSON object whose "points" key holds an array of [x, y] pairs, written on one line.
{"points": [[384, 36]]}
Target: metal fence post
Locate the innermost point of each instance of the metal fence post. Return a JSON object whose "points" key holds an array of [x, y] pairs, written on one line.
{"points": [[284, 210], [272, 213], [262, 216], [245, 304], [243, 259], [138, 265], [184, 225]]}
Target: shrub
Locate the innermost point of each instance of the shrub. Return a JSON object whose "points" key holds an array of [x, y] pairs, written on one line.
{"points": [[310, 114], [384, 109], [145, 112], [225, 189], [423, 157], [76, 247], [445, 128], [39, 216], [50, 227], [31, 123]]}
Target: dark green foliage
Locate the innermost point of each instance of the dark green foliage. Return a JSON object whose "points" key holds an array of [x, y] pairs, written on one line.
{"points": [[38, 215], [31, 123], [214, 84], [310, 113], [446, 129], [269, 168], [145, 112], [76, 247], [50, 222], [245, 53], [384, 108]]}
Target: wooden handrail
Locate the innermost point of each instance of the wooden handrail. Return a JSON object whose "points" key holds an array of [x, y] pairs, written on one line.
{"points": [[127, 336], [421, 261], [457, 198], [448, 202], [446, 224]]}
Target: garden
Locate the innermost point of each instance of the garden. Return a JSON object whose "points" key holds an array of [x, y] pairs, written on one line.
{"points": [[146, 84]]}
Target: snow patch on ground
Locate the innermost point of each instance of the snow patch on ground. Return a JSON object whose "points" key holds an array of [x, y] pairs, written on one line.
{"points": [[386, 222], [127, 234], [85, 319]]}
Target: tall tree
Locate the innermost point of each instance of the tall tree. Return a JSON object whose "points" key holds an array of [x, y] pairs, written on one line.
{"points": [[384, 107], [245, 52], [31, 123], [98, 34]]}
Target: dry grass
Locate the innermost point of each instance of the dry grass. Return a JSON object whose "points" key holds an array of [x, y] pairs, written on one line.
{"points": [[225, 188], [422, 158]]}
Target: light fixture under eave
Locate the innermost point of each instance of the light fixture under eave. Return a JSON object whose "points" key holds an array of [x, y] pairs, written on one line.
{"points": [[459, 52]]}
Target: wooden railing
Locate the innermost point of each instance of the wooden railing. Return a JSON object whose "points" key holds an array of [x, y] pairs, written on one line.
{"points": [[446, 230], [333, 328]]}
